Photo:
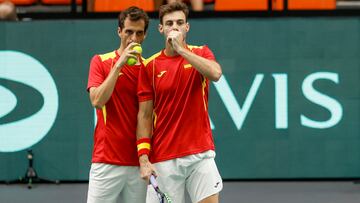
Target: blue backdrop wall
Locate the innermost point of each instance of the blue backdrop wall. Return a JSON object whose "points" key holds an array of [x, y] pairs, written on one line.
{"points": [[287, 105]]}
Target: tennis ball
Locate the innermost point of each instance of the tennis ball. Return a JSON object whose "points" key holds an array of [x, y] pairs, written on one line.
{"points": [[131, 61], [138, 49]]}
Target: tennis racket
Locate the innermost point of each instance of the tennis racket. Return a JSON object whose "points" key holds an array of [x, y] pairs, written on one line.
{"points": [[163, 197]]}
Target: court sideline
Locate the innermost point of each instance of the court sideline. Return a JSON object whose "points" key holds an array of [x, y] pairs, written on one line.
{"points": [[233, 192]]}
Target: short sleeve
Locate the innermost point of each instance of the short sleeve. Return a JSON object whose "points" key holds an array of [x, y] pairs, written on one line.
{"points": [[207, 53], [96, 73], [145, 87]]}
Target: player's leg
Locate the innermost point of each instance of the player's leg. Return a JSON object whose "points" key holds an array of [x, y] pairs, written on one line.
{"points": [[211, 199], [135, 188], [171, 180], [105, 183], [204, 182], [151, 196]]}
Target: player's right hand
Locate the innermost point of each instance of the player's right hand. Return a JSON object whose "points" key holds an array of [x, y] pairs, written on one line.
{"points": [[146, 168], [126, 54], [175, 39]]}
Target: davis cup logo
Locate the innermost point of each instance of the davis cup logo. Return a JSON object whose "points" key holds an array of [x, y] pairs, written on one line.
{"points": [[28, 101]]}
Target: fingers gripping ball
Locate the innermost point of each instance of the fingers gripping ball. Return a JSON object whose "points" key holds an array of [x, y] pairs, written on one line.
{"points": [[132, 61]]}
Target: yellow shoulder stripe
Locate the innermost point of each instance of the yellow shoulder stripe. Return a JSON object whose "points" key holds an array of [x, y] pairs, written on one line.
{"points": [[146, 61], [107, 56], [196, 47]]}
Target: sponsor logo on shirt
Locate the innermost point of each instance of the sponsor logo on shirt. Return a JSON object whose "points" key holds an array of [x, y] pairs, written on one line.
{"points": [[161, 73]]}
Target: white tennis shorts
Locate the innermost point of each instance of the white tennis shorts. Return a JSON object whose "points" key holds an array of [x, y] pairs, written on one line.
{"points": [[109, 182], [197, 173]]}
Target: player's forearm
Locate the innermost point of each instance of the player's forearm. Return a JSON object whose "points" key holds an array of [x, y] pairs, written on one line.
{"points": [[208, 68], [143, 134], [144, 129], [100, 95], [144, 124]]}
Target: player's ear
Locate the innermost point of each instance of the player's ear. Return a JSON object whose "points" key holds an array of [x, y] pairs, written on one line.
{"points": [[119, 31], [187, 27], [161, 29]]}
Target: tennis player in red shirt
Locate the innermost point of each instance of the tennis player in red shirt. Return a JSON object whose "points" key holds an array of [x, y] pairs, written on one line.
{"points": [[112, 85], [173, 88]]}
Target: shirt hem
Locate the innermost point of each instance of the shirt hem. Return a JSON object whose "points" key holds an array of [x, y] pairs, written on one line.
{"points": [[116, 163], [145, 99], [181, 155]]}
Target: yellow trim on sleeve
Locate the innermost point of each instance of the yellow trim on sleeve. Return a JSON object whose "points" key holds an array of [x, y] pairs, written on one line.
{"points": [[155, 118], [104, 113], [203, 84]]}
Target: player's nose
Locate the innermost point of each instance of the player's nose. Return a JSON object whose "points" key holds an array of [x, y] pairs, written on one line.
{"points": [[133, 37]]}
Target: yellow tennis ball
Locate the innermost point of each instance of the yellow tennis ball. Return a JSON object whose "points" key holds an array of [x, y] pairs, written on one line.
{"points": [[131, 61], [138, 49]]}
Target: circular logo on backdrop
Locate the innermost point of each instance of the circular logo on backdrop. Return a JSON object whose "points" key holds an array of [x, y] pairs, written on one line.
{"points": [[28, 101]]}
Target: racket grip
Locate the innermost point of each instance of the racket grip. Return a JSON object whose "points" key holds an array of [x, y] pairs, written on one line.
{"points": [[153, 181]]}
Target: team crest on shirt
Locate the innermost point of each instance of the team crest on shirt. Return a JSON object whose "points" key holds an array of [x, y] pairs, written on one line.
{"points": [[161, 74], [186, 66]]}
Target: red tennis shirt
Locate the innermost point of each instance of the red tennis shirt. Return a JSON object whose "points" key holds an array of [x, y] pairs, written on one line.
{"points": [[115, 132], [180, 94]]}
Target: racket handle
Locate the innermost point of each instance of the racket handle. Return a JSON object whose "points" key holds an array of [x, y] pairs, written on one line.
{"points": [[153, 181]]}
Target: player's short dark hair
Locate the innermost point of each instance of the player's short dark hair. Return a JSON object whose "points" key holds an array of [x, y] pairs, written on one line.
{"points": [[172, 7], [134, 14]]}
